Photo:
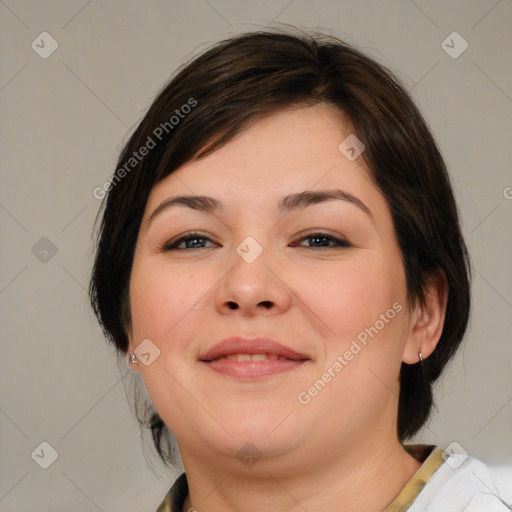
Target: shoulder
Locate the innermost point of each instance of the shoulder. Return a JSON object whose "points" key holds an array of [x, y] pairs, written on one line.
{"points": [[174, 499], [463, 483]]}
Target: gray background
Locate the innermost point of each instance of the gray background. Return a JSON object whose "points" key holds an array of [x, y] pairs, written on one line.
{"points": [[64, 119]]}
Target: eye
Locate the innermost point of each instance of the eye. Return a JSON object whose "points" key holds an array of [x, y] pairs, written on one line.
{"points": [[189, 241], [323, 240]]}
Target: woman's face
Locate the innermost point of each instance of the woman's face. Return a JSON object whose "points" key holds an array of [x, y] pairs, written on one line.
{"points": [[296, 245]]}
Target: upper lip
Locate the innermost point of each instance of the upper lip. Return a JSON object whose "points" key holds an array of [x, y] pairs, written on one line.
{"points": [[258, 345]]}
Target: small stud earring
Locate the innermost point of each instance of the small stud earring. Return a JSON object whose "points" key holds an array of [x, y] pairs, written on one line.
{"points": [[133, 359]]}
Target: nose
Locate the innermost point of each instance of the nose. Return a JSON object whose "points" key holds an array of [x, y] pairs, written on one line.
{"points": [[253, 288]]}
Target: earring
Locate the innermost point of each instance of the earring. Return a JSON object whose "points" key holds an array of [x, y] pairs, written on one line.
{"points": [[133, 359]]}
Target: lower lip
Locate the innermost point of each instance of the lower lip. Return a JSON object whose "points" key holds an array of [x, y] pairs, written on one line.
{"points": [[247, 370]]}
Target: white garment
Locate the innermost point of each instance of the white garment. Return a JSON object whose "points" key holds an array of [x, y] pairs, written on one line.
{"points": [[464, 484]]}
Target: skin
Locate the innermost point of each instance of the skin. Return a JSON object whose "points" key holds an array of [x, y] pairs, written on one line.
{"points": [[340, 451]]}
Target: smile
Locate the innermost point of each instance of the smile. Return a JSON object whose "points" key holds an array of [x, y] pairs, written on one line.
{"points": [[252, 366], [251, 358]]}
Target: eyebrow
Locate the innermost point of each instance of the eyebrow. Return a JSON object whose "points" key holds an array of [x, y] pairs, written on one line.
{"points": [[287, 204], [204, 204], [310, 197]]}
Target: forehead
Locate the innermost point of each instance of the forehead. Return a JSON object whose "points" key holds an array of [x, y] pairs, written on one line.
{"points": [[286, 152]]}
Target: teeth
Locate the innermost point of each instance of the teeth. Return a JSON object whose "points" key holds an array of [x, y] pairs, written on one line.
{"points": [[254, 357]]}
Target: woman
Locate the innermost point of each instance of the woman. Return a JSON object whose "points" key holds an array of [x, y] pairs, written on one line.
{"points": [[280, 258]]}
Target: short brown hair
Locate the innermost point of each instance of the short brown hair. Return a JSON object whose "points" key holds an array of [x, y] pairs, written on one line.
{"points": [[244, 78]]}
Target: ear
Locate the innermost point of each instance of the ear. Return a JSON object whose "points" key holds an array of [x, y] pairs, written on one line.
{"points": [[134, 366], [130, 350], [427, 319]]}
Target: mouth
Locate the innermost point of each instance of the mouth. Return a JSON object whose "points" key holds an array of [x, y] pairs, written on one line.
{"points": [[251, 358]]}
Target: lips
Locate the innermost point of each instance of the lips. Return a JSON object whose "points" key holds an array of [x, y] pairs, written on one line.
{"points": [[251, 346], [249, 358]]}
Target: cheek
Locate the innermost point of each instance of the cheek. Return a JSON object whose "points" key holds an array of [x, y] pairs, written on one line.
{"points": [[163, 303], [352, 296], [159, 298], [364, 306]]}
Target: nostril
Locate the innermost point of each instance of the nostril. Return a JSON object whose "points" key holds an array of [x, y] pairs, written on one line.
{"points": [[266, 303], [232, 305]]}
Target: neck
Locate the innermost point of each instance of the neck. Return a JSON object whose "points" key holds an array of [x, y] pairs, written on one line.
{"points": [[367, 479]]}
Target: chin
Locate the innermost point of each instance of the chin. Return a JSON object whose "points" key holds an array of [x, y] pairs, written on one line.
{"points": [[266, 430], [248, 449]]}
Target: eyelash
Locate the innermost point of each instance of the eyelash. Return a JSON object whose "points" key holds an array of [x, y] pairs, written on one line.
{"points": [[173, 246]]}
